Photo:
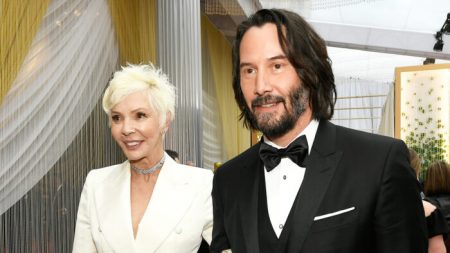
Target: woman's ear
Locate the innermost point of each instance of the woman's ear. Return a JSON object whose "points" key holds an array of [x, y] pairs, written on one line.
{"points": [[167, 123]]}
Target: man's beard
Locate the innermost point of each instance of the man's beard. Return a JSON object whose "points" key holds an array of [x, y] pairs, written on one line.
{"points": [[268, 124]]}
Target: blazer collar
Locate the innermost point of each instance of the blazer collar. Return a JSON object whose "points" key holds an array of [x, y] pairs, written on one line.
{"points": [[249, 198], [172, 196], [113, 206], [320, 167]]}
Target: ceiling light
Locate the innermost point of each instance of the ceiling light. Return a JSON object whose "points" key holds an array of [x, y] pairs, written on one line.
{"points": [[446, 26], [439, 45]]}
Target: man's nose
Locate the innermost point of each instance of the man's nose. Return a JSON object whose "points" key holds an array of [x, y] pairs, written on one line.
{"points": [[262, 84]]}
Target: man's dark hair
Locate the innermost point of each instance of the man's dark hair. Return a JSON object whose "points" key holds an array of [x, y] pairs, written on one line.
{"points": [[172, 154], [304, 49]]}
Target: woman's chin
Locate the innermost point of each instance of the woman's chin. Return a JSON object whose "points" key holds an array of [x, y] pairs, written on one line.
{"points": [[133, 156]]}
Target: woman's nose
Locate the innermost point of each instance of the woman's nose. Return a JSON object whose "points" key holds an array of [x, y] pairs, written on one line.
{"points": [[128, 128]]}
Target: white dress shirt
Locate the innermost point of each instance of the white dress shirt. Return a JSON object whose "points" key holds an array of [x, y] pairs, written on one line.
{"points": [[284, 181]]}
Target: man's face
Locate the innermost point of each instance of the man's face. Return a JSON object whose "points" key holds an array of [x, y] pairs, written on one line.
{"points": [[272, 89]]}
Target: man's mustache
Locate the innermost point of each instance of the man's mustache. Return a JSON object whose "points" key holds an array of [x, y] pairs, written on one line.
{"points": [[268, 99]]}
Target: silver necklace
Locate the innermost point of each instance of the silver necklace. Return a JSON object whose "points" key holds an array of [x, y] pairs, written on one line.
{"points": [[149, 170]]}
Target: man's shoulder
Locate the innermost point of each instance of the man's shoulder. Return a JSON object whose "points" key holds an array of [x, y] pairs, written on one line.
{"points": [[353, 135], [240, 161]]}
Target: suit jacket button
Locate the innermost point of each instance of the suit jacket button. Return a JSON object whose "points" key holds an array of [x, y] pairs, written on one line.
{"points": [[178, 230], [99, 229]]}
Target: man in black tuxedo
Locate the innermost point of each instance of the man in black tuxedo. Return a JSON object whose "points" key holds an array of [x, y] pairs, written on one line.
{"points": [[309, 186]]}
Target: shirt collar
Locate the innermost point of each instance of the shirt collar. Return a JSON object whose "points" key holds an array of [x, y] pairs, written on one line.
{"points": [[310, 132]]}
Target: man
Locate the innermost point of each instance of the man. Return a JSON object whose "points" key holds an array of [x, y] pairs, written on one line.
{"points": [[309, 185], [173, 154]]}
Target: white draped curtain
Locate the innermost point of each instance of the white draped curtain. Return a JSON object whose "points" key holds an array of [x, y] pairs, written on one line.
{"points": [[179, 56], [68, 65], [387, 126], [360, 103], [52, 127]]}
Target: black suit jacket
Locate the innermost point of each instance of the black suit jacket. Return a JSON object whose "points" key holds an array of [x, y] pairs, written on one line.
{"points": [[346, 169]]}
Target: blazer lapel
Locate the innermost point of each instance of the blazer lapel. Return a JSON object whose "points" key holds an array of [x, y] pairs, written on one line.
{"points": [[170, 200], [249, 200], [320, 168], [112, 201]]}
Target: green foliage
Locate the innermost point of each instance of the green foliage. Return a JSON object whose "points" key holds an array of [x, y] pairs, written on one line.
{"points": [[425, 132], [429, 148]]}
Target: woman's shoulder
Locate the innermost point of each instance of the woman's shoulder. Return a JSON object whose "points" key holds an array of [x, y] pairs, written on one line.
{"points": [[190, 174], [100, 174], [196, 172]]}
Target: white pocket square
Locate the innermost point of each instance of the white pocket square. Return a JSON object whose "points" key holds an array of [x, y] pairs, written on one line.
{"points": [[320, 217], [226, 251]]}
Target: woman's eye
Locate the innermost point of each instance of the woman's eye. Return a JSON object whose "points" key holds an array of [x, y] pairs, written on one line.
{"points": [[277, 66], [115, 118], [141, 115]]}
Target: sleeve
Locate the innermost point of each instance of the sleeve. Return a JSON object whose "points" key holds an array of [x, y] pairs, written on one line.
{"points": [[219, 236], [436, 224], [208, 227], [83, 242], [399, 220]]}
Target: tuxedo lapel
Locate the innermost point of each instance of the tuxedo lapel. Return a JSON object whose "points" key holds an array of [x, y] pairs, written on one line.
{"points": [[320, 168], [112, 203], [170, 200], [249, 200]]}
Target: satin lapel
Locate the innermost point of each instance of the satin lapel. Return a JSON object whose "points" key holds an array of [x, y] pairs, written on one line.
{"points": [[248, 204], [171, 198], [320, 167], [112, 201]]}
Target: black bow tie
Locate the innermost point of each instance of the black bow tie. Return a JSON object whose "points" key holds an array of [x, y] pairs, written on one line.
{"points": [[296, 151]]}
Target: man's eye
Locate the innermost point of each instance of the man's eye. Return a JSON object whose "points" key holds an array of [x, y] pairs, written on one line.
{"points": [[277, 66], [249, 71]]}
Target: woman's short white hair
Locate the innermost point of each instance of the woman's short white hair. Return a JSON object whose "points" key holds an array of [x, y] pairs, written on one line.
{"points": [[145, 78]]}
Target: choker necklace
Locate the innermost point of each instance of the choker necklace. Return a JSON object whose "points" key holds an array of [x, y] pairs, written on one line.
{"points": [[149, 170]]}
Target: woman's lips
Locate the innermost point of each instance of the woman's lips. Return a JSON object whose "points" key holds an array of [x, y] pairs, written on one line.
{"points": [[132, 144]]}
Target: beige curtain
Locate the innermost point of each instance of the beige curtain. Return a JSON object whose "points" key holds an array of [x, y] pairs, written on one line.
{"points": [[135, 25], [19, 22], [236, 138]]}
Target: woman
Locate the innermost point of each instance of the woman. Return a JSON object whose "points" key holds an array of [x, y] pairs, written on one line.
{"points": [[437, 190], [436, 224], [149, 203]]}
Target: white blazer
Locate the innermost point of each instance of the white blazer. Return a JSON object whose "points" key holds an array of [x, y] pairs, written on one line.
{"points": [[178, 215]]}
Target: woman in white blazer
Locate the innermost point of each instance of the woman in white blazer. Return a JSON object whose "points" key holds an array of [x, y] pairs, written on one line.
{"points": [[149, 203]]}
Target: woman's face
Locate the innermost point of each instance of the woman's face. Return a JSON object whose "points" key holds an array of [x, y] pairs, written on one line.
{"points": [[135, 127]]}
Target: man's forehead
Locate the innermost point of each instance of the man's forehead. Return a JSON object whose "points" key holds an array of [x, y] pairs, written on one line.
{"points": [[257, 48]]}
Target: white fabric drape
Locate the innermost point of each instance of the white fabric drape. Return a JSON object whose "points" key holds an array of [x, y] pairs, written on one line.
{"points": [[179, 56], [387, 126], [68, 65], [359, 103]]}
